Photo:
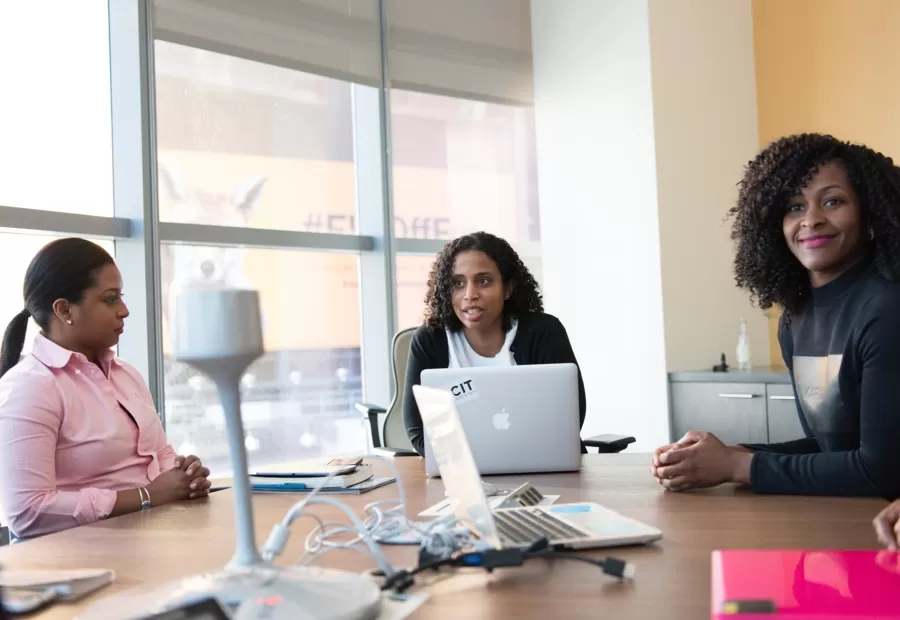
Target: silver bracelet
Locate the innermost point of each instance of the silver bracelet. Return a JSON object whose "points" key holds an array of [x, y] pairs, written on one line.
{"points": [[145, 498]]}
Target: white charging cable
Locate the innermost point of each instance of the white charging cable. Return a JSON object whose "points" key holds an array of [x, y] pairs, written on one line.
{"points": [[385, 526], [281, 532], [377, 525]]}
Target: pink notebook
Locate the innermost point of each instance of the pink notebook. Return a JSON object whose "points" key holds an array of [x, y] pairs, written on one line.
{"points": [[803, 585]]}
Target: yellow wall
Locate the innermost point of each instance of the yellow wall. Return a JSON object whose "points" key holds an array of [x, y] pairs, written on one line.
{"points": [[705, 130], [828, 66]]}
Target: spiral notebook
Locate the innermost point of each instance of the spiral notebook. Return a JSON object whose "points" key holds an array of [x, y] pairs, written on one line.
{"points": [[805, 585]]}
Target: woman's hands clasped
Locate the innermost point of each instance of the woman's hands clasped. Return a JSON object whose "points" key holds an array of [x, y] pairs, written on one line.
{"points": [[189, 479], [887, 526], [699, 460]]}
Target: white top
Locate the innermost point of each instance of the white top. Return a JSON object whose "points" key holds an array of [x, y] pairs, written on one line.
{"points": [[462, 355]]}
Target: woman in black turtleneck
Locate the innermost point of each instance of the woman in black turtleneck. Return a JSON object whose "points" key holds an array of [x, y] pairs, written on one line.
{"points": [[817, 228]]}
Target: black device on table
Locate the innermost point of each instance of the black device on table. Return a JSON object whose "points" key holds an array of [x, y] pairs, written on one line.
{"points": [[205, 609]]}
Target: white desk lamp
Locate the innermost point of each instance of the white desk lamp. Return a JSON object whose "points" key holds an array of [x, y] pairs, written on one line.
{"points": [[219, 333]]}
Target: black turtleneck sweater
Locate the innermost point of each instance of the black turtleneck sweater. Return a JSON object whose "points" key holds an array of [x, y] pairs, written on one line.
{"points": [[843, 352]]}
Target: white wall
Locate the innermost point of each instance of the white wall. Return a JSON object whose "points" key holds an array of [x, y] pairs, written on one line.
{"points": [[645, 113], [704, 108], [599, 220]]}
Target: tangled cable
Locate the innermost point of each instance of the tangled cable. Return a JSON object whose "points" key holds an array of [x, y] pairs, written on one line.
{"points": [[379, 524], [443, 542]]}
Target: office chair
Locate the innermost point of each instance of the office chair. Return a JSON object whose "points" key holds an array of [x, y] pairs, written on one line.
{"points": [[395, 437]]}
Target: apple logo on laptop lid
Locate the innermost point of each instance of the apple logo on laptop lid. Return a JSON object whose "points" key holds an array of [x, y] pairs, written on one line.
{"points": [[501, 420]]}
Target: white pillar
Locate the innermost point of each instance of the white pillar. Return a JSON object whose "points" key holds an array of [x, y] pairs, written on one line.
{"points": [[645, 114]]}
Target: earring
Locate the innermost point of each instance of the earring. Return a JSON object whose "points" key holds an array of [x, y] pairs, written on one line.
{"points": [[871, 234], [68, 321]]}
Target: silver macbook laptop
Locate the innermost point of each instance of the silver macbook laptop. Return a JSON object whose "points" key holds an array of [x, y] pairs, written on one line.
{"points": [[519, 419], [575, 526]]}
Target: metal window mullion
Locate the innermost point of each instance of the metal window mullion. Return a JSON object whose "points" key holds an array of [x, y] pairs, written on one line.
{"points": [[411, 246], [265, 238], [58, 222], [377, 269], [134, 185]]}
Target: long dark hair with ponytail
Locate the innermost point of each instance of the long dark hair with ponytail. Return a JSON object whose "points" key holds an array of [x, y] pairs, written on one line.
{"points": [[62, 269]]}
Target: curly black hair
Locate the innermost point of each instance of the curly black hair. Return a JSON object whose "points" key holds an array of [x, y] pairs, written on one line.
{"points": [[525, 297], [763, 263]]}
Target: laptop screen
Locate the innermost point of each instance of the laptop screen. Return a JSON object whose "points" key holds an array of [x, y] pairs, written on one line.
{"points": [[450, 448]]}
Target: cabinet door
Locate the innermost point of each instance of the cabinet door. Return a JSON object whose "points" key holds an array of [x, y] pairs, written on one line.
{"points": [[734, 412], [784, 420]]}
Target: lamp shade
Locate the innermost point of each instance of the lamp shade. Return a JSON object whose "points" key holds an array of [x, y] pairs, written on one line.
{"points": [[217, 329]]}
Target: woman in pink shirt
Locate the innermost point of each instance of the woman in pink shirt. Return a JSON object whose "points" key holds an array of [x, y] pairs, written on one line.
{"points": [[80, 439]]}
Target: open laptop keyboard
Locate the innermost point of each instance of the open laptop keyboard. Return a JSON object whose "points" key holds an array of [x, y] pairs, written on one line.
{"points": [[519, 527]]}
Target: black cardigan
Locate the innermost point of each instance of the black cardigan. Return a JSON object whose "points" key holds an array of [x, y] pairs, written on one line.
{"points": [[540, 339]]}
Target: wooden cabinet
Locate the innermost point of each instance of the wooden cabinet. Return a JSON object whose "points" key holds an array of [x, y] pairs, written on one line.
{"points": [[756, 408]]}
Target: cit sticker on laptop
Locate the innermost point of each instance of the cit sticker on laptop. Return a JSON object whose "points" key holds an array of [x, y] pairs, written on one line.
{"points": [[463, 391]]}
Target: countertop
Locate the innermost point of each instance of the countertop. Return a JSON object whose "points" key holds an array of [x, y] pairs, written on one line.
{"points": [[764, 374]]}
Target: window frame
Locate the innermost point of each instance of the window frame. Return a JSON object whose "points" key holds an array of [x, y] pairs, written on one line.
{"points": [[138, 233]]}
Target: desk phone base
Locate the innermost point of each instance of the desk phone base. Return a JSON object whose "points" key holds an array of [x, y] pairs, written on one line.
{"points": [[320, 593]]}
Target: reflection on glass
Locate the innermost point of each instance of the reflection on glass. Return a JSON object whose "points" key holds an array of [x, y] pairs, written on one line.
{"points": [[243, 143], [860, 584], [461, 166], [247, 144], [298, 397]]}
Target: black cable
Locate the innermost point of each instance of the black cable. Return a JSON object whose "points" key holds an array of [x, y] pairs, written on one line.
{"points": [[552, 555], [611, 566], [403, 579], [490, 559], [435, 565]]}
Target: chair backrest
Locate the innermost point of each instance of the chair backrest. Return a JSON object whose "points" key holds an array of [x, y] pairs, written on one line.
{"points": [[394, 433]]}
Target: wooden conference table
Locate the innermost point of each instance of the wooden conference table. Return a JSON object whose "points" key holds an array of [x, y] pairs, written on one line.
{"points": [[672, 578]]}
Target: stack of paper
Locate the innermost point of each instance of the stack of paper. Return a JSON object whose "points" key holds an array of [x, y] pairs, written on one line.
{"points": [[303, 477], [69, 584]]}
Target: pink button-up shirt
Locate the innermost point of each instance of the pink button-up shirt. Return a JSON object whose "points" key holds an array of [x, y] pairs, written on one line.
{"points": [[66, 443]]}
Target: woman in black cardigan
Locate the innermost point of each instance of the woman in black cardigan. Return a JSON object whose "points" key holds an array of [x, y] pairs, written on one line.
{"points": [[483, 308]]}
